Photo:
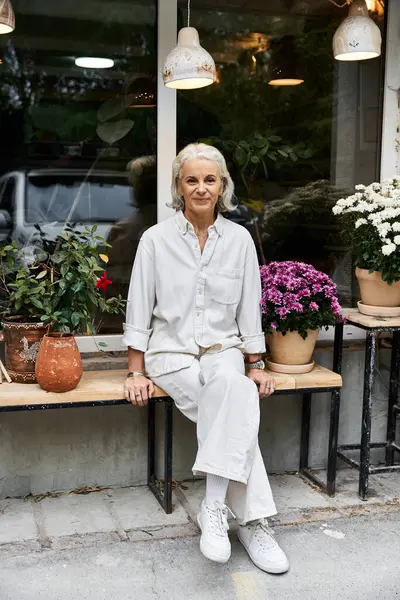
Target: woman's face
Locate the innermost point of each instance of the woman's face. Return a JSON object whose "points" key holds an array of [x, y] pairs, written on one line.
{"points": [[200, 186]]}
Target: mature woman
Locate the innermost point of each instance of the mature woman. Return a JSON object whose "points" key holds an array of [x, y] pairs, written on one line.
{"points": [[193, 326]]}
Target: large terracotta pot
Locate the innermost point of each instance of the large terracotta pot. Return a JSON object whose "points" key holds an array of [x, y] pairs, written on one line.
{"points": [[58, 365], [290, 353], [22, 343], [376, 293]]}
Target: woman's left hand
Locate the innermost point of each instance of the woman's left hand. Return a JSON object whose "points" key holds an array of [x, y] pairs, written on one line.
{"points": [[265, 382]]}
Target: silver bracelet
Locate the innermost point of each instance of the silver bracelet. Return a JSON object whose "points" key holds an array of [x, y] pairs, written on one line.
{"points": [[135, 374]]}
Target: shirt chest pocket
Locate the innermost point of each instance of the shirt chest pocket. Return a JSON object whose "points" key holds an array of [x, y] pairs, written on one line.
{"points": [[226, 286]]}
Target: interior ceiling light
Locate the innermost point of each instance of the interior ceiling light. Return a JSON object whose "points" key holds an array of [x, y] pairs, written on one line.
{"points": [[283, 69], [7, 17], [357, 37], [142, 93], [188, 66], [93, 62]]}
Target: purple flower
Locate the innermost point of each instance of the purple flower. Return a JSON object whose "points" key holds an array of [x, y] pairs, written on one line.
{"points": [[295, 296]]}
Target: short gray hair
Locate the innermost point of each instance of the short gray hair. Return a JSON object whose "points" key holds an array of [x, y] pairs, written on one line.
{"points": [[202, 151]]}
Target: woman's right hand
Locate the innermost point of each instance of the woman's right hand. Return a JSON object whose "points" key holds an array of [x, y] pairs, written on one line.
{"points": [[138, 390]]}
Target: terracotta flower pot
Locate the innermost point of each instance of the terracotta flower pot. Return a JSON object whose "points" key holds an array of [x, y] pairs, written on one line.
{"points": [[375, 292], [58, 365], [290, 353], [22, 343]]}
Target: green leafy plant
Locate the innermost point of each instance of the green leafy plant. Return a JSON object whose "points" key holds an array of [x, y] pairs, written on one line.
{"points": [[59, 283], [255, 153], [302, 219]]}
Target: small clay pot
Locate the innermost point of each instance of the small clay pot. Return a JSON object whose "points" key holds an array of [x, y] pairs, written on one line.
{"points": [[291, 349], [58, 365], [22, 343]]}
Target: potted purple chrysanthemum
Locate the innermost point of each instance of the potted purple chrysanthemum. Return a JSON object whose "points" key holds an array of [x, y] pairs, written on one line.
{"points": [[297, 301]]}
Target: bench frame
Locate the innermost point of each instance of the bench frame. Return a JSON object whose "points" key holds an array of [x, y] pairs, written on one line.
{"points": [[164, 497], [163, 490]]}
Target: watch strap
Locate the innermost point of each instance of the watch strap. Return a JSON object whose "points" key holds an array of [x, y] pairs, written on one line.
{"points": [[259, 364]]}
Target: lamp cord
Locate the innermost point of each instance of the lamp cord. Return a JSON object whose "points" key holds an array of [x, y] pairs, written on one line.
{"points": [[188, 14]]}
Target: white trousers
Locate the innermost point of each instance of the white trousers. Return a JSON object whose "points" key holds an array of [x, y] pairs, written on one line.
{"points": [[215, 393]]}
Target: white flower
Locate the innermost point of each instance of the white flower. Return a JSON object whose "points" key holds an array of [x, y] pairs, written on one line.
{"points": [[396, 226], [397, 240], [388, 249], [360, 187], [383, 228], [337, 210], [360, 222]]}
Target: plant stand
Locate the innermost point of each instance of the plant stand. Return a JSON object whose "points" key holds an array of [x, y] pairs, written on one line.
{"points": [[373, 326]]}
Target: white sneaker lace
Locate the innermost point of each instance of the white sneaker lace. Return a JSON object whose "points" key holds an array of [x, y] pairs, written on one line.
{"points": [[264, 535], [218, 518]]}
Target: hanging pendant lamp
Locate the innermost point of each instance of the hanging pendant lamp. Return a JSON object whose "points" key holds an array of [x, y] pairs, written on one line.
{"points": [[188, 66], [7, 17], [283, 69], [358, 37]]}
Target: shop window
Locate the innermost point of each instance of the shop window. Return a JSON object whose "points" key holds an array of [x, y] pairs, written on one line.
{"points": [[319, 137], [82, 138]]}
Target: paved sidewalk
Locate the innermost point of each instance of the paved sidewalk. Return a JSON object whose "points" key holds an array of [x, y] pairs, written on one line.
{"points": [[132, 514], [346, 559]]}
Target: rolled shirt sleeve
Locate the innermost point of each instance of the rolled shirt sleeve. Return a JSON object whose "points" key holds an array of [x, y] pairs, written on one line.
{"points": [[248, 316], [141, 299]]}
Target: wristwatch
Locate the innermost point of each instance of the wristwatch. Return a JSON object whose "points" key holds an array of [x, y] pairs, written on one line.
{"points": [[135, 374], [259, 364]]}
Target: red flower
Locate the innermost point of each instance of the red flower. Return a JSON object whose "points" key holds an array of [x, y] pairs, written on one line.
{"points": [[103, 282]]}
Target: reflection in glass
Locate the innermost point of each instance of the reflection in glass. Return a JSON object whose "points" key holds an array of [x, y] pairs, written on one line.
{"points": [[292, 150], [68, 133]]}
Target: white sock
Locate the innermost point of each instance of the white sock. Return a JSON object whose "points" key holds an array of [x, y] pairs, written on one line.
{"points": [[216, 489]]}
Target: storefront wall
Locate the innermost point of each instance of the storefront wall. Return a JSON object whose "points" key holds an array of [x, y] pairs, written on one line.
{"points": [[64, 450]]}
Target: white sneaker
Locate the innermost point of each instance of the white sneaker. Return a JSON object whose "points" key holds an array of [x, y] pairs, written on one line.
{"points": [[213, 522], [259, 541]]}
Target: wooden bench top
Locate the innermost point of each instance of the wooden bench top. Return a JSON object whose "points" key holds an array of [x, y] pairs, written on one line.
{"points": [[97, 387]]}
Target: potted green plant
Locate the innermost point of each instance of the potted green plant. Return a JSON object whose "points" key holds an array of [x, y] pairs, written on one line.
{"points": [[297, 301], [59, 286], [371, 222], [22, 296]]}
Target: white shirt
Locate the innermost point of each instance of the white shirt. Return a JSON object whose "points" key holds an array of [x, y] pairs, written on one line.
{"points": [[181, 300]]}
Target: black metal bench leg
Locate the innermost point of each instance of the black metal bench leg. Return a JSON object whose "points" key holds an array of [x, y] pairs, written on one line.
{"points": [[165, 498], [393, 393], [168, 456], [151, 445], [333, 443], [366, 414], [305, 431]]}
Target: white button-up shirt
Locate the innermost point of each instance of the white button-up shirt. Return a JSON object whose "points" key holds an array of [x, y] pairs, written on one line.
{"points": [[182, 300]]}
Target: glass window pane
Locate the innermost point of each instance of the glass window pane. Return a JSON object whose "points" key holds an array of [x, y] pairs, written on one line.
{"points": [[292, 150], [80, 139]]}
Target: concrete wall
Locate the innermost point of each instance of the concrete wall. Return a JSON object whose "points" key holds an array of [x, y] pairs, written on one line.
{"points": [[66, 449]]}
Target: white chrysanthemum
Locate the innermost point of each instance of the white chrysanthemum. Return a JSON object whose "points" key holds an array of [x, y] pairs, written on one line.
{"points": [[360, 222], [360, 187], [337, 210], [396, 240], [388, 249], [396, 226]]}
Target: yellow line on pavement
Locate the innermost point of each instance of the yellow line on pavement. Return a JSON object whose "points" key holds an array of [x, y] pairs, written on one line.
{"points": [[245, 586]]}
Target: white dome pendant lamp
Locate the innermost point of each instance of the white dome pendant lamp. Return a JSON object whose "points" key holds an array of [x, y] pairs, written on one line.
{"points": [[358, 37], [7, 17], [188, 66]]}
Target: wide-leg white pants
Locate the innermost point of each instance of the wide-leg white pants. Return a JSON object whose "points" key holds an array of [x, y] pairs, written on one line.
{"points": [[215, 393]]}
